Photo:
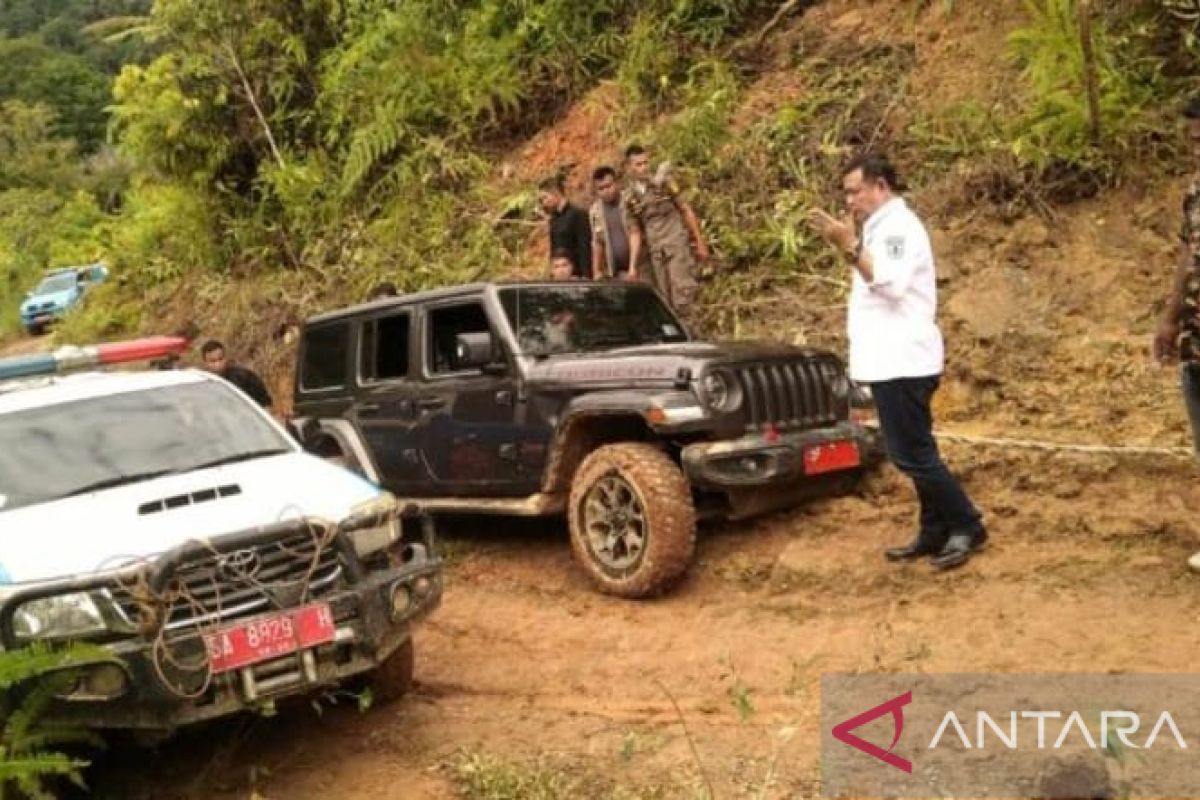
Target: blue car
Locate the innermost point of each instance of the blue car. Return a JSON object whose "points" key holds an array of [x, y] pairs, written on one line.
{"points": [[59, 291]]}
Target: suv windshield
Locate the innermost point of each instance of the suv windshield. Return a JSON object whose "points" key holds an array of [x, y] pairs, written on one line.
{"points": [[56, 283], [56, 451], [578, 319]]}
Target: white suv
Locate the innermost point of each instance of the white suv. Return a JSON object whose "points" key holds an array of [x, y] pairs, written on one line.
{"points": [[166, 516]]}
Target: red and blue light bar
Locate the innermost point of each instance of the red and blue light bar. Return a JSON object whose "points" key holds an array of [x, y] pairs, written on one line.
{"points": [[71, 358]]}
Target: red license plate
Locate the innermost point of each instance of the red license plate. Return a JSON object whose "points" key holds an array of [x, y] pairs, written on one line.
{"points": [[830, 457], [264, 638]]}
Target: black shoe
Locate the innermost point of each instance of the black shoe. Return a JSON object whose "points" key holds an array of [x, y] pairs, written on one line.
{"points": [[917, 548], [958, 549]]}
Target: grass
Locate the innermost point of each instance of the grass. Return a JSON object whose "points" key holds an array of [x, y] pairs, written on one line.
{"points": [[482, 776]]}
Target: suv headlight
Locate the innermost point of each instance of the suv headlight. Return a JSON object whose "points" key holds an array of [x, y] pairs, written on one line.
{"points": [[379, 537], [721, 392], [66, 616]]}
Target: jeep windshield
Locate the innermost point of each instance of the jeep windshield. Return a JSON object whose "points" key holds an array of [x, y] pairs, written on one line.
{"points": [[67, 449], [587, 318]]}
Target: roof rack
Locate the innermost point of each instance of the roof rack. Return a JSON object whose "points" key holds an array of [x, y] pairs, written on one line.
{"points": [[73, 359]]}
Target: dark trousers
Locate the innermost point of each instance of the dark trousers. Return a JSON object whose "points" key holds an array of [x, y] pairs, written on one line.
{"points": [[906, 421]]}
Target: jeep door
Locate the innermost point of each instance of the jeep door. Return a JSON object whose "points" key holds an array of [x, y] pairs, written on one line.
{"points": [[472, 440], [383, 408]]}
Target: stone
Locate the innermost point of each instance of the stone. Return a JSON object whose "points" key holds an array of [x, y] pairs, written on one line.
{"points": [[1074, 778], [990, 302]]}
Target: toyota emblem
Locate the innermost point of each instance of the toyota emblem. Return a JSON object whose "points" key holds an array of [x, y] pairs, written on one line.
{"points": [[239, 565]]}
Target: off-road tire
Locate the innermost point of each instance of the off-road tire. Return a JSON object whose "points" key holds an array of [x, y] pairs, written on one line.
{"points": [[668, 512], [393, 678]]}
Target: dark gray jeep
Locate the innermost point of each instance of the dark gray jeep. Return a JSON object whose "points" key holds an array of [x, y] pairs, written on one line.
{"points": [[577, 397]]}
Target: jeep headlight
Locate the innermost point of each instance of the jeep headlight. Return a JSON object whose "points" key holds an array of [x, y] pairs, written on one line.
{"points": [[377, 537], [721, 392], [66, 616]]}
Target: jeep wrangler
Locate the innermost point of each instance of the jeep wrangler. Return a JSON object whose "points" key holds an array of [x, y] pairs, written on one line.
{"points": [[584, 398]]}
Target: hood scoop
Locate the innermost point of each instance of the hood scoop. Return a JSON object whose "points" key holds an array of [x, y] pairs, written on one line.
{"points": [[189, 499]]}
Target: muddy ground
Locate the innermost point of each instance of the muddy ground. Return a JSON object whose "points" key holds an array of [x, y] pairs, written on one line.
{"points": [[525, 665]]}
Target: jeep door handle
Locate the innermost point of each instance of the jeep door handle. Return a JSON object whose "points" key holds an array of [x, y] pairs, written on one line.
{"points": [[430, 403], [370, 407]]}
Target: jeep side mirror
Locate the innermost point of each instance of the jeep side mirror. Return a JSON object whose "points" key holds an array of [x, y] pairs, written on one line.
{"points": [[304, 431], [474, 351]]}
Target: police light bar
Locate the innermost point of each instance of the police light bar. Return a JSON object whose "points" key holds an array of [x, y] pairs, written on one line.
{"points": [[70, 358]]}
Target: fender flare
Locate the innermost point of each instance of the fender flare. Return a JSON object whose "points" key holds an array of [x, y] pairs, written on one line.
{"points": [[347, 438]]}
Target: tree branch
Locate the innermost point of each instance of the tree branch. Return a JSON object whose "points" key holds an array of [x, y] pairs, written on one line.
{"points": [[253, 98], [1090, 77]]}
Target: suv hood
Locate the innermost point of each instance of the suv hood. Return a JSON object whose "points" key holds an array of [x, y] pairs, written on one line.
{"points": [[104, 530], [58, 299], [658, 362]]}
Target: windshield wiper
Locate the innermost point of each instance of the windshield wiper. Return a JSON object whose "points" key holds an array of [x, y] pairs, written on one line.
{"points": [[611, 341], [246, 456], [117, 480]]}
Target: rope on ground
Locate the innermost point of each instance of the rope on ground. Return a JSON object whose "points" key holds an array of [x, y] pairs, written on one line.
{"points": [[1063, 447]]}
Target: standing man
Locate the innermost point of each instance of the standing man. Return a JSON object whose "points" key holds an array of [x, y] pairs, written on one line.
{"points": [[215, 361], [667, 228], [569, 227], [1181, 313], [610, 231], [896, 347]]}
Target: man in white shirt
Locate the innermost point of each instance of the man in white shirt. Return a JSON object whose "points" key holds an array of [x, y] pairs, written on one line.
{"points": [[896, 348]]}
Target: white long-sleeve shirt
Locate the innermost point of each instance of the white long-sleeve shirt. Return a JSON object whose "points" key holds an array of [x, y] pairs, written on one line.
{"points": [[891, 322]]}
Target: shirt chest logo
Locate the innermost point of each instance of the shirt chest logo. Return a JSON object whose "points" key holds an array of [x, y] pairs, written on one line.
{"points": [[894, 246]]}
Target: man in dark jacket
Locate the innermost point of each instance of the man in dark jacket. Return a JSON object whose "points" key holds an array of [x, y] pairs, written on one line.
{"points": [[215, 361], [570, 229]]}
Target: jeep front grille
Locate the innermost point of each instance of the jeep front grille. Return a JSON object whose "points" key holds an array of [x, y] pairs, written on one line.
{"points": [[789, 394], [274, 575]]}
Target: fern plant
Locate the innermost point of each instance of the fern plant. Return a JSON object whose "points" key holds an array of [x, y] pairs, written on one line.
{"points": [[30, 757]]}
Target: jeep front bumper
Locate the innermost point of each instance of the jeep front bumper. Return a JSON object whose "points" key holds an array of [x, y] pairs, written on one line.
{"points": [[766, 459]]}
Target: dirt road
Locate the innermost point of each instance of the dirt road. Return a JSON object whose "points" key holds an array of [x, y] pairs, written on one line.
{"points": [[526, 673]]}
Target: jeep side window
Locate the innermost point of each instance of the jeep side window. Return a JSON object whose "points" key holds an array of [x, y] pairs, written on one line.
{"points": [[445, 324], [384, 353], [325, 350]]}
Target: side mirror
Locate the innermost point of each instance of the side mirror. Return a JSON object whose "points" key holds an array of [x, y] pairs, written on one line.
{"points": [[304, 431], [474, 351]]}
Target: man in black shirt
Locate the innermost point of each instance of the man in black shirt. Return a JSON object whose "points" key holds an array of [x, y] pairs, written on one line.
{"points": [[569, 226], [215, 361]]}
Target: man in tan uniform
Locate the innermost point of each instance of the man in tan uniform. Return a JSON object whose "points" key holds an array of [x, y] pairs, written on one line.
{"points": [[666, 226]]}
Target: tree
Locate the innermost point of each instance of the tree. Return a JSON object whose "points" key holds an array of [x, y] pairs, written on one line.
{"points": [[76, 90]]}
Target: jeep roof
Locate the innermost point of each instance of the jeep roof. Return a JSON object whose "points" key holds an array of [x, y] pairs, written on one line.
{"points": [[443, 293]]}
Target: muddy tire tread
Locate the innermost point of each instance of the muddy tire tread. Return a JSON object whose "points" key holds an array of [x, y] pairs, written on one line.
{"points": [[666, 498]]}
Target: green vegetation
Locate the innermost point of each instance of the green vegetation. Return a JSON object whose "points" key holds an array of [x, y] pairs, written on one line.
{"points": [[315, 148], [485, 777], [31, 764]]}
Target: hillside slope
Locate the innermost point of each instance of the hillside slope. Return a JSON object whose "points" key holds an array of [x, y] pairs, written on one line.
{"points": [[1043, 302]]}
